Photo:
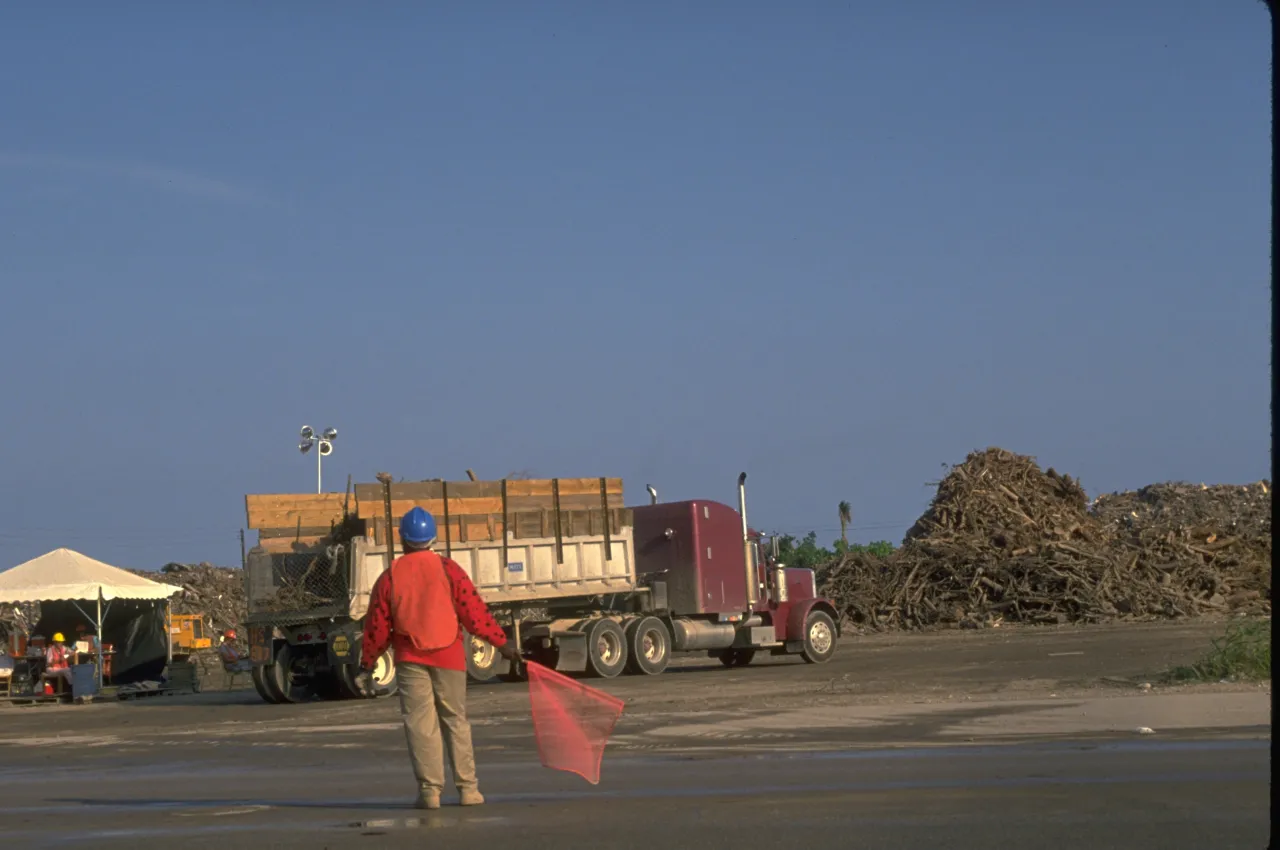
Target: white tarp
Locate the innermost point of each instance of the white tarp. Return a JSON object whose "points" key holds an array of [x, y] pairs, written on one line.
{"points": [[66, 574]]}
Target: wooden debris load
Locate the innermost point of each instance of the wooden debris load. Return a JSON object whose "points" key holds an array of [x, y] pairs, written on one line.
{"points": [[1005, 541]]}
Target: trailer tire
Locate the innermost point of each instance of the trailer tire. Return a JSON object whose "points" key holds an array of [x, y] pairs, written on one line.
{"points": [[260, 685], [281, 681], [648, 646], [819, 638], [606, 648], [482, 659]]}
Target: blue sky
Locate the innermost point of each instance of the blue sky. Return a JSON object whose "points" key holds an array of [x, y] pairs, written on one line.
{"points": [[836, 245]]}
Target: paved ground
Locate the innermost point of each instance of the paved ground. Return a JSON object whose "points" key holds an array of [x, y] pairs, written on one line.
{"points": [[964, 739], [1148, 796]]}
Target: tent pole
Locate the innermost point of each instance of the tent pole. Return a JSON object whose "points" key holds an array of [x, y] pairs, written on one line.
{"points": [[99, 638]]}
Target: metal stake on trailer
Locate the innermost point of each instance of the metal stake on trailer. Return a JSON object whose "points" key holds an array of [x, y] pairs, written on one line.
{"points": [[99, 633]]}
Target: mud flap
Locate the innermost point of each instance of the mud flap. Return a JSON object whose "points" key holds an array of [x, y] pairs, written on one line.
{"points": [[261, 651], [344, 647], [572, 653]]}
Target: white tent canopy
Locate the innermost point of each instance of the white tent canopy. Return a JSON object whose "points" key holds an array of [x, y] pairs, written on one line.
{"points": [[66, 574]]}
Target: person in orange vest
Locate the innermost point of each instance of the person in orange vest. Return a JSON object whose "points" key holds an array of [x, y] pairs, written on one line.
{"points": [[57, 659], [419, 608]]}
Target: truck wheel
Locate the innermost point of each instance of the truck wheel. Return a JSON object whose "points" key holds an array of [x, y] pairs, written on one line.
{"points": [[482, 659], [606, 649], [383, 678], [346, 675], [283, 678], [260, 685], [819, 638], [736, 657], [648, 646]]}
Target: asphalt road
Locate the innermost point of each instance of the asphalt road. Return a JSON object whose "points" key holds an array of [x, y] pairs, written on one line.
{"points": [[956, 740], [1133, 795]]}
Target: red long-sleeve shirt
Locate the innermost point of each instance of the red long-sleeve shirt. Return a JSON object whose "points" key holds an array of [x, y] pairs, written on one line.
{"points": [[473, 615]]}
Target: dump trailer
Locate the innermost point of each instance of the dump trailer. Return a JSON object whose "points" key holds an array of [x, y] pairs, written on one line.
{"points": [[581, 583]]}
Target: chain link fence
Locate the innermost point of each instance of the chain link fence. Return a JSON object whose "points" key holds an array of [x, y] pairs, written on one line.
{"points": [[297, 585]]}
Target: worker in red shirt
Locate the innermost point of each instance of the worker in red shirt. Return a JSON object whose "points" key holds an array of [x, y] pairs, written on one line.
{"points": [[420, 607]]}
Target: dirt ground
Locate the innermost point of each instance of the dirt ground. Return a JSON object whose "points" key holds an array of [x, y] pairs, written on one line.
{"points": [[871, 676]]}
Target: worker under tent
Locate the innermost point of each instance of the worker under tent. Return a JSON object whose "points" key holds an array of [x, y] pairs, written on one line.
{"points": [[114, 627]]}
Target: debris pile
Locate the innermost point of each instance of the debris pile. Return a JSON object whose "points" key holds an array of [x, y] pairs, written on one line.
{"points": [[1215, 541], [1005, 541], [18, 619], [217, 593]]}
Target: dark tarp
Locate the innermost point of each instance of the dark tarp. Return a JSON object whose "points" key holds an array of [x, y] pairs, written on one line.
{"points": [[134, 628]]}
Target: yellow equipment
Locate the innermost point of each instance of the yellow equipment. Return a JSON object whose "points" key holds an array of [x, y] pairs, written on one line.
{"points": [[188, 633]]}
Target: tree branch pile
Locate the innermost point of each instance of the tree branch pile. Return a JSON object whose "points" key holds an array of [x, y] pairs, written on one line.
{"points": [[217, 593], [1004, 541]]}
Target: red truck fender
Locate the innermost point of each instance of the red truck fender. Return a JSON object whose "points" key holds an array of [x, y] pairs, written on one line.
{"points": [[799, 615]]}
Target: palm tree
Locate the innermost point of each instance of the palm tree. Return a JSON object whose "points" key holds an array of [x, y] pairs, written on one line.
{"points": [[846, 518]]}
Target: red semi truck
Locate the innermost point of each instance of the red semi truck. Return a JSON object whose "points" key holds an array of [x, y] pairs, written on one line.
{"points": [[598, 591]]}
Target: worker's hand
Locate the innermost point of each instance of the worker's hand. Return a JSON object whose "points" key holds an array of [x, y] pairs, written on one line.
{"points": [[363, 681], [508, 651]]}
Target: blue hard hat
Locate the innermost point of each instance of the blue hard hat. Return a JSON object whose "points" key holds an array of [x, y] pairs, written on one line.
{"points": [[417, 526]]}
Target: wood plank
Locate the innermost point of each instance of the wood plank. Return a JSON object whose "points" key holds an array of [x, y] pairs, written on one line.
{"points": [[567, 503], [316, 532], [435, 507], [284, 545], [414, 490], [489, 505], [531, 487], [261, 509], [292, 519], [568, 487]]}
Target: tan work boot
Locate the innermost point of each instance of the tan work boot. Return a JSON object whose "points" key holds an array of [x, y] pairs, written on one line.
{"points": [[428, 798], [471, 797]]}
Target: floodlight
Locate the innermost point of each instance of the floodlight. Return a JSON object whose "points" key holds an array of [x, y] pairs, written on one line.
{"points": [[307, 433], [330, 434], [326, 448], [304, 446]]}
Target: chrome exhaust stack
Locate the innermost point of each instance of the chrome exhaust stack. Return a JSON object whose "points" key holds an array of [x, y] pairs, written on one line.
{"points": [[748, 561]]}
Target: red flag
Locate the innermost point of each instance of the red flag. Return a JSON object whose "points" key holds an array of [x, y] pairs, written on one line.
{"points": [[571, 721]]}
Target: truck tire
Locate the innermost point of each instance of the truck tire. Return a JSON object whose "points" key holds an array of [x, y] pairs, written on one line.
{"points": [[347, 681], [259, 685], [383, 681], [482, 659], [819, 638], [648, 646], [283, 681], [606, 649]]}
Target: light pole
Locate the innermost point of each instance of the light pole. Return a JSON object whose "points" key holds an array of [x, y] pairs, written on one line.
{"points": [[324, 449]]}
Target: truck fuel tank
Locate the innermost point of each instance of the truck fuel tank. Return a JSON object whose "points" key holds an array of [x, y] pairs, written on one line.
{"points": [[690, 634]]}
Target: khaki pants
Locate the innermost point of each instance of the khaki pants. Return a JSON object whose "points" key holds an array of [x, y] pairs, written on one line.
{"points": [[434, 701]]}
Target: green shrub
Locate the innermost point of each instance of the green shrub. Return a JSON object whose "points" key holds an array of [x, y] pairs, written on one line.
{"points": [[808, 554], [1244, 653]]}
